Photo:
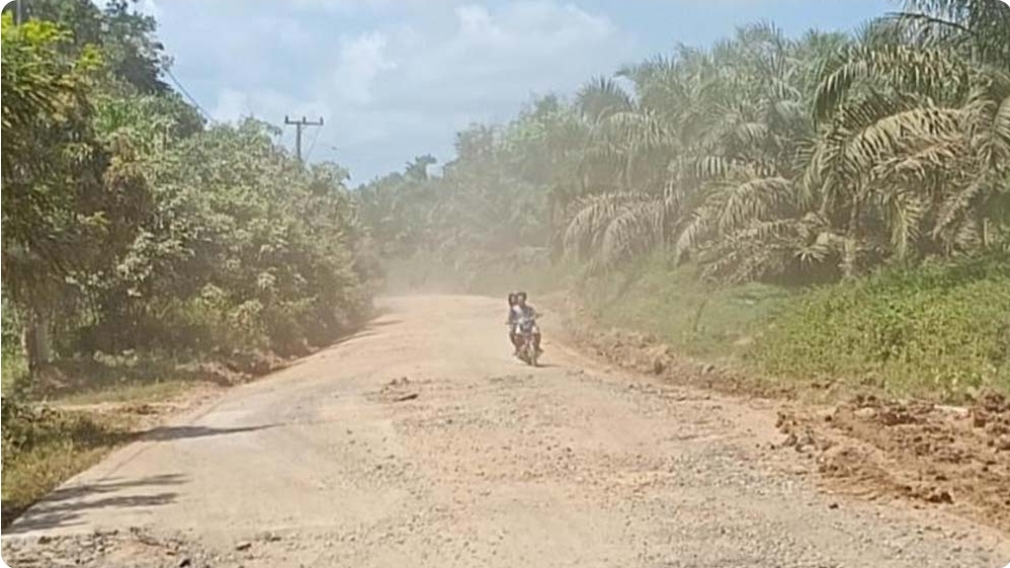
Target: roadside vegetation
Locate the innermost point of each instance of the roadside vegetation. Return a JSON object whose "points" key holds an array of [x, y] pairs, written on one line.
{"points": [[43, 446], [145, 249], [830, 205], [937, 331], [693, 316]]}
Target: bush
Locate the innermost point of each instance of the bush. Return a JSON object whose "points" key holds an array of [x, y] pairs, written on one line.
{"points": [[942, 330], [248, 252], [696, 317], [42, 447]]}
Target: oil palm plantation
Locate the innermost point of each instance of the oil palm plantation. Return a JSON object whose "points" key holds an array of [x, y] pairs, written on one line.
{"points": [[811, 157], [762, 157]]}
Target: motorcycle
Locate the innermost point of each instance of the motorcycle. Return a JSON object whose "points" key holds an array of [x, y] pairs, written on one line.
{"points": [[527, 349]]}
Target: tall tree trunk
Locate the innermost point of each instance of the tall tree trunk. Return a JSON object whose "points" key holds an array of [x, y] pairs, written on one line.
{"points": [[850, 260], [35, 342]]}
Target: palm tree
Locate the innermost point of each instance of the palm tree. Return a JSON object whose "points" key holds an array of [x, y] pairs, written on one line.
{"points": [[976, 29], [762, 157], [705, 121]]}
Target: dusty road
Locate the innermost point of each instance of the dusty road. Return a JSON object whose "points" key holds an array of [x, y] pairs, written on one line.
{"points": [[474, 460]]}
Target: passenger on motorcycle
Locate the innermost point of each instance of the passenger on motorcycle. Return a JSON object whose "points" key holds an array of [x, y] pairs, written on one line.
{"points": [[525, 311], [512, 321]]}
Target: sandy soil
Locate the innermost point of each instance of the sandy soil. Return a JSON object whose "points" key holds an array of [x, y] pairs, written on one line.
{"points": [[868, 445], [420, 442]]}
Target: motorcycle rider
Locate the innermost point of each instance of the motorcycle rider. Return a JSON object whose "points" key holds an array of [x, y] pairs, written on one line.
{"points": [[513, 319], [526, 311]]}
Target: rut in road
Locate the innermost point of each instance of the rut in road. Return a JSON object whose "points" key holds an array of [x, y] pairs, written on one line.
{"points": [[419, 442]]}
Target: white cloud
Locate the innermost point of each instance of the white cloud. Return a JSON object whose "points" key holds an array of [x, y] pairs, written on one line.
{"points": [[231, 105], [394, 86], [361, 59], [265, 104]]}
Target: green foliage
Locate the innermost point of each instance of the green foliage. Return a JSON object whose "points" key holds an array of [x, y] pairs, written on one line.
{"points": [[504, 194], [46, 123], [14, 372], [26, 426], [939, 329], [139, 245], [42, 447], [763, 158], [128, 225], [672, 303], [978, 29], [245, 251], [124, 38]]}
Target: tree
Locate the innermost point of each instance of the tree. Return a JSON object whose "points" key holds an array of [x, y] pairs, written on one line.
{"points": [[418, 169], [976, 29], [128, 225], [51, 168], [124, 37], [763, 157]]}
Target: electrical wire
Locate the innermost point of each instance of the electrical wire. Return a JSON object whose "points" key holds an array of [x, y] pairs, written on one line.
{"points": [[188, 96], [312, 144]]}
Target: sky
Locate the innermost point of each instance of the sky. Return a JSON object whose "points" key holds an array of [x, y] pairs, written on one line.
{"points": [[394, 79]]}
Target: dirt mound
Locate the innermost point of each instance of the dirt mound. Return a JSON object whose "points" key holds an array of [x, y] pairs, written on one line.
{"points": [[136, 547], [400, 389], [918, 451], [868, 446], [646, 354]]}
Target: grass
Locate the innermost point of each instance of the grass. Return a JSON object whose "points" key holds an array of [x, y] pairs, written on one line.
{"points": [[13, 370], [937, 332], [128, 378], [671, 303], [43, 447], [122, 378], [127, 393]]}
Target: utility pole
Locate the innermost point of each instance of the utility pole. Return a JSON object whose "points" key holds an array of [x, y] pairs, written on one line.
{"points": [[299, 125]]}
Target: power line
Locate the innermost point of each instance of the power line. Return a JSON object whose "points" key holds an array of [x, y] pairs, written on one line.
{"points": [[312, 144], [299, 125], [188, 96]]}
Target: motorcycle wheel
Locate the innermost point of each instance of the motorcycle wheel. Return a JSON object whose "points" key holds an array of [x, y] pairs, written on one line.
{"points": [[530, 353]]}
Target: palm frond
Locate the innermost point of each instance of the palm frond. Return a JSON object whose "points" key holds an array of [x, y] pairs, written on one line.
{"points": [[750, 199], [905, 211], [929, 72], [956, 206], [893, 134], [601, 97]]}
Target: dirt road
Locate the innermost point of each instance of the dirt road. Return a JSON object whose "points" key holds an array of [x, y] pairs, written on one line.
{"points": [[419, 442]]}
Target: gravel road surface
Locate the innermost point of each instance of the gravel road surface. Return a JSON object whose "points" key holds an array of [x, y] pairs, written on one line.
{"points": [[420, 442]]}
